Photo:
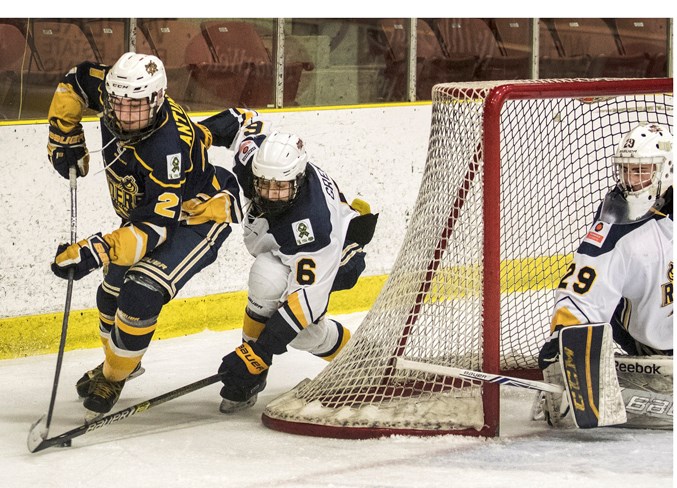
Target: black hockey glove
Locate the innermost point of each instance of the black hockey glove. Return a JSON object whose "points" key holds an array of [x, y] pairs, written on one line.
{"points": [[223, 126], [84, 256], [244, 372], [66, 150]]}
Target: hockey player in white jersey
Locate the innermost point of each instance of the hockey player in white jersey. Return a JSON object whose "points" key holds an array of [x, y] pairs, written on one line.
{"points": [[622, 275], [307, 241]]}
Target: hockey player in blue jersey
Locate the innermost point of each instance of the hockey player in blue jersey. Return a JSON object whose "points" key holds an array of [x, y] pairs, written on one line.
{"points": [[307, 241], [175, 207], [618, 289]]}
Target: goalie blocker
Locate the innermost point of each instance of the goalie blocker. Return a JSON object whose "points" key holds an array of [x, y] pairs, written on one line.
{"points": [[586, 370]]}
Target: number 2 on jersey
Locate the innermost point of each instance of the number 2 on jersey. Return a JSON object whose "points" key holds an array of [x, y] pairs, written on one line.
{"points": [[586, 277], [167, 202]]}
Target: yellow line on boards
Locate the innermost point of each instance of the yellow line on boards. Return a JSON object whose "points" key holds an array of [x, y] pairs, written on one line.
{"points": [[39, 334], [31, 335]]}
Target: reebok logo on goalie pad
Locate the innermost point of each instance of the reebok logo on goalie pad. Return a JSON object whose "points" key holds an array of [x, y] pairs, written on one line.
{"points": [[638, 368], [597, 234]]}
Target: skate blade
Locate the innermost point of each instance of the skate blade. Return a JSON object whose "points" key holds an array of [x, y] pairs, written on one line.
{"points": [[137, 372], [91, 416], [228, 406]]}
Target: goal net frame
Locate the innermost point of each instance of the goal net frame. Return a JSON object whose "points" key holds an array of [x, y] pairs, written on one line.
{"points": [[342, 412]]}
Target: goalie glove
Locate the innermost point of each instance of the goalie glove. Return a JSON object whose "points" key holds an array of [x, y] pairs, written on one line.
{"points": [[68, 149], [581, 359], [244, 371], [84, 257]]}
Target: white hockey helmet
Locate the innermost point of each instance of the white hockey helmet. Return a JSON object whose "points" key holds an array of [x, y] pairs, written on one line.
{"points": [[280, 158], [648, 145], [134, 76]]}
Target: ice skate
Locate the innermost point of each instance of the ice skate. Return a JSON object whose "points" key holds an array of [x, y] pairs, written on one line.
{"points": [[229, 406], [85, 384], [104, 395]]}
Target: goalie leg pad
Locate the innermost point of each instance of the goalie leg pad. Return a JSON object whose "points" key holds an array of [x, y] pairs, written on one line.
{"points": [[592, 389], [647, 385], [648, 409]]}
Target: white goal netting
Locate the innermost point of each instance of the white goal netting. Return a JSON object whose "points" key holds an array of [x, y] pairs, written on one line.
{"points": [[514, 174]]}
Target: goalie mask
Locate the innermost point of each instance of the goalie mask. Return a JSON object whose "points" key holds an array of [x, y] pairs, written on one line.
{"points": [[134, 92], [279, 168], [642, 169]]}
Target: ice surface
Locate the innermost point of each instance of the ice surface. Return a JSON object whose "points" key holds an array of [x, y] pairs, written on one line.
{"points": [[186, 442]]}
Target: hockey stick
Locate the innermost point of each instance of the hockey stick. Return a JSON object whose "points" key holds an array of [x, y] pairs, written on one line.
{"points": [[36, 442], [467, 374], [41, 426]]}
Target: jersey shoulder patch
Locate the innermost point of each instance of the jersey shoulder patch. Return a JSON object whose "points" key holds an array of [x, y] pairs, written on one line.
{"points": [[174, 166], [303, 232], [602, 237], [308, 223], [597, 233]]}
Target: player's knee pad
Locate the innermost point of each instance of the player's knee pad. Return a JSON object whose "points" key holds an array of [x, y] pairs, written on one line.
{"points": [[139, 304], [267, 285], [324, 338], [140, 297]]}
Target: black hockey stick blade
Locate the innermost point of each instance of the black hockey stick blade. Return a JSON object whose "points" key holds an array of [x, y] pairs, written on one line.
{"points": [[37, 436]]}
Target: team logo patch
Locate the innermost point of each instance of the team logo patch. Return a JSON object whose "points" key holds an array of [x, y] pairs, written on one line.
{"points": [[597, 234], [174, 166], [151, 68], [245, 149], [303, 232]]}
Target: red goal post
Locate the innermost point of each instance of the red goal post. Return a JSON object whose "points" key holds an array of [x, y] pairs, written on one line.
{"points": [[514, 173]]}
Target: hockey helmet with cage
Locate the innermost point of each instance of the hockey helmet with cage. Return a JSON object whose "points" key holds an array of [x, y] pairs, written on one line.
{"points": [[642, 169], [134, 92], [279, 168]]}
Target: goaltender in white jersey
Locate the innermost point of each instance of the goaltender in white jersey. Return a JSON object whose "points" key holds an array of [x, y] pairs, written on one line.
{"points": [[622, 275], [623, 270]]}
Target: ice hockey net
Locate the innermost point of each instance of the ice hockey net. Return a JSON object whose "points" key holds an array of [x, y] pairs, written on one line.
{"points": [[514, 174]]}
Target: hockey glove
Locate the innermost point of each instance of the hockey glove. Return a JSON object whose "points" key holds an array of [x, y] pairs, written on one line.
{"points": [[225, 126], [84, 257], [549, 353], [244, 372], [220, 208], [66, 150]]}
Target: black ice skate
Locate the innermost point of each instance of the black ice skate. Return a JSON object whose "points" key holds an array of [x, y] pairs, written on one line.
{"points": [[104, 395], [232, 406], [85, 385]]}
